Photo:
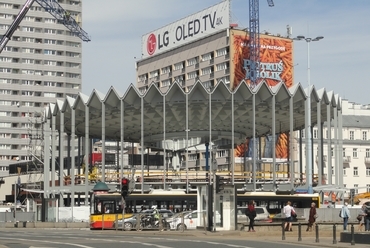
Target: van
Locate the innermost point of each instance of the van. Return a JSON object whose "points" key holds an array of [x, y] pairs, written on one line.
{"points": [[262, 214]]}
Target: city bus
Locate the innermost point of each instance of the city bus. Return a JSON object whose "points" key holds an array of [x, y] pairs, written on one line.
{"points": [[107, 208]]}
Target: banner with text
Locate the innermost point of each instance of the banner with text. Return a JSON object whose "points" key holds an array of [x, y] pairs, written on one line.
{"points": [[188, 29]]}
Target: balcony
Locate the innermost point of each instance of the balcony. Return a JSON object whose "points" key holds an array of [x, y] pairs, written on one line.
{"points": [[346, 159]]}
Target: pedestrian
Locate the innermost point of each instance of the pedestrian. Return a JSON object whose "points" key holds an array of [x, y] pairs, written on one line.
{"points": [[367, 218], [361, 218], [312, 217], [344, 213], [251, 214], [287, 211]]}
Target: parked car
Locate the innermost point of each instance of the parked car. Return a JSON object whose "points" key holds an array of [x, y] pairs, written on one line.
{"points": [[191, 220], [147, 220], [164, 212], [262, 214]]}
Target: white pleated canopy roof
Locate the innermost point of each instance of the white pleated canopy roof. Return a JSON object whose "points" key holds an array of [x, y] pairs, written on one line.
{"points": [[169, 111]]}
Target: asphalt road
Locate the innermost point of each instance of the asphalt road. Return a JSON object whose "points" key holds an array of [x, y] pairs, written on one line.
{"points": [[48, 238]]}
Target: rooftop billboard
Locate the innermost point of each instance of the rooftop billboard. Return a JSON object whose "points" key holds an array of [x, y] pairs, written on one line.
{"points": [[276, 59], [188, 29]]}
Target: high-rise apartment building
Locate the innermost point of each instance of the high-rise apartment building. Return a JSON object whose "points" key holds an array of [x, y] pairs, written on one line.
{"points": [[40, 63]]}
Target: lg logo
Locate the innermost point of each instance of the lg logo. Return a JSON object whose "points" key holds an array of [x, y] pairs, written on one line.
{"points": [[151, 44]]}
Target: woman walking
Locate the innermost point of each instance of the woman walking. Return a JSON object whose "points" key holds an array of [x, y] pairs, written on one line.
{"points": [[251, 213], [312, 217]]}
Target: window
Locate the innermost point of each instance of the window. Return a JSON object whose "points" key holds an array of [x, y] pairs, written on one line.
{"points": [[367, 153], [192, 61], [192, 75], [221, 52], [364, 135], [344, 172], [326, 134], [351, 135], [153, 74], [332, 151], [354, 153], [207, 56], [368, 171], [50, 52], [166, 83], [344, 152], [356, 188], [302, 133], [178, 66], [208, 84], [28, 29], [222, 66], [355, 171], [166, 69], [367, 187], [206, 71], [315, 133], [332, 170]]}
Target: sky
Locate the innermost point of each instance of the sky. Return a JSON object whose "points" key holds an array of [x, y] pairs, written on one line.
{"points": [[340, 62]]}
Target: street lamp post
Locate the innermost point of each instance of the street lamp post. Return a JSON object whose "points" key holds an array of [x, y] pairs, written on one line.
{"points": [[309, 135]]}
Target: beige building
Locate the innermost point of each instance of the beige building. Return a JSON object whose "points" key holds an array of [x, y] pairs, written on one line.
{"points": [[41, 63]]}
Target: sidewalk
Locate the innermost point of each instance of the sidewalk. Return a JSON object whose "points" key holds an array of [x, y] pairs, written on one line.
{"points": [[307, 238]]}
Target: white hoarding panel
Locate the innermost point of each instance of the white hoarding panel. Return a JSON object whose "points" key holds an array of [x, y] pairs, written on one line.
{"points": [[186, 30]]}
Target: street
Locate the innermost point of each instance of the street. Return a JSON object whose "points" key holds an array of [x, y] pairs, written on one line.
{"points": [[83, 238]]}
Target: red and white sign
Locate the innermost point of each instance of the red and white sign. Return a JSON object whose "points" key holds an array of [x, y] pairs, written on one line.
{"points": [[188, 29]]}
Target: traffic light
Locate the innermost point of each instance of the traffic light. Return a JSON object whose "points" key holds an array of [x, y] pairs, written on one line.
{"points": [[218, 184], [124, 187]]}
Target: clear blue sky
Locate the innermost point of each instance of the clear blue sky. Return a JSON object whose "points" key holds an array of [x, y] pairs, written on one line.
{"points": [[340, 62]]}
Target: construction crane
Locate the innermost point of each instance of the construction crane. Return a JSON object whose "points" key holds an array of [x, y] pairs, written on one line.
{"points": [[51, 6], [254, 40]]}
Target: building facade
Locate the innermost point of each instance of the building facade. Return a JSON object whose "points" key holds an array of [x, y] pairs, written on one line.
{"points": [[41, 63], [355, 151]]}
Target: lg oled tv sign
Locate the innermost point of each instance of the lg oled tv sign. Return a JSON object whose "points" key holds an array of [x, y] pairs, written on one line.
{"points": [[186, 30]]}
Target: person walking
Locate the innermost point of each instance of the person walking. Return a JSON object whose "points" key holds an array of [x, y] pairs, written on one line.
{"points": [[251, 213], [361, 218], [367, 218], [312, 217], [287, 211], [345, 215]]}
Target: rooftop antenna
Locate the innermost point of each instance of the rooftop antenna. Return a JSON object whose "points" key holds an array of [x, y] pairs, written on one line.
{"points": [[289, 31]]}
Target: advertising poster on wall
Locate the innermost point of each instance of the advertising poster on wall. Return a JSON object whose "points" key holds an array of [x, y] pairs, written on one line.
{"points": [[276, 59], [265, 148]]}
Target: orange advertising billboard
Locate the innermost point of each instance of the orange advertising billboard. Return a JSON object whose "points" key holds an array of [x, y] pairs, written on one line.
{"points": [[276, 59]]}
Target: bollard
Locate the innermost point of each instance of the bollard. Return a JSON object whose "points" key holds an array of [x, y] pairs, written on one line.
{"points": [[317, 233], [353, 235], [334, 234], [283, 231], [299, 232]]}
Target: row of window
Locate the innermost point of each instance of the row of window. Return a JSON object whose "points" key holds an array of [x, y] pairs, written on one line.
{"points": [[23, 104], [190, 75], [40, 62], [351, 134], [180, 79], [37, 83], [355, 186], [153, 75], [355, 171], [43, 51], [40, 73]]}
